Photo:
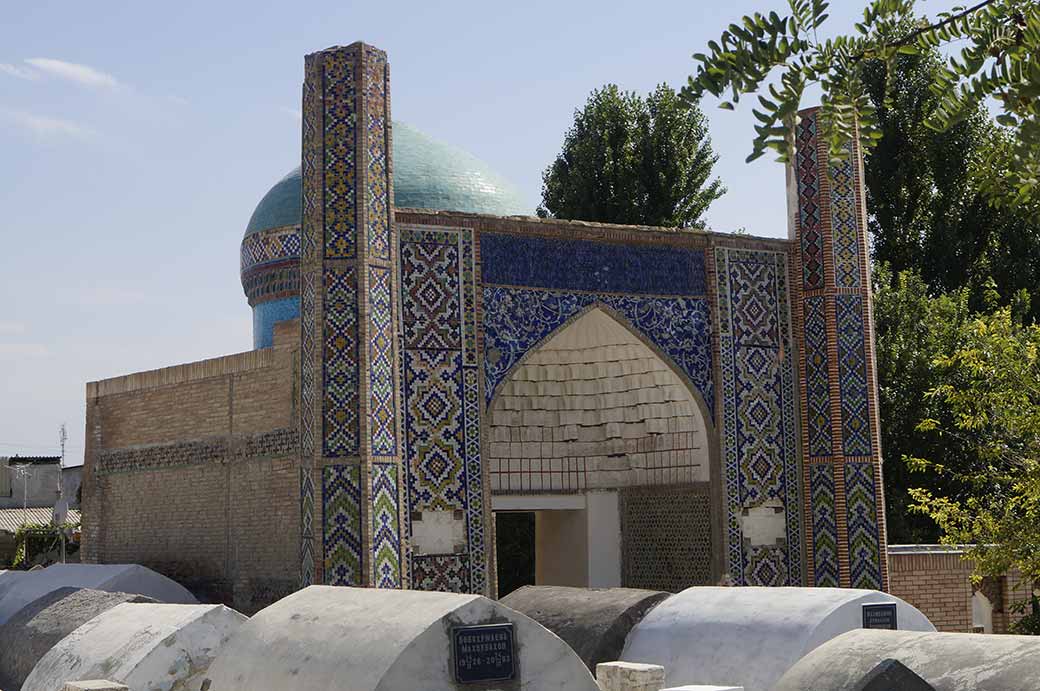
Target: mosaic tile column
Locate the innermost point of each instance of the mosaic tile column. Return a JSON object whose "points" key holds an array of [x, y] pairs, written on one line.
{"points": [[841, 447], [350, 482]]}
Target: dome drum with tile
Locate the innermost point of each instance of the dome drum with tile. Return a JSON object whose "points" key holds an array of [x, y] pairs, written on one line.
{"points": [[427, 175]]}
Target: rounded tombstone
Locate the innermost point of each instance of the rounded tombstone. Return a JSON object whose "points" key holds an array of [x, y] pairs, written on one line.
{"points": [[750, 636], [947, 661], [113, 578], [153, 647], [36, 628], [594, 621], [389, 640]]}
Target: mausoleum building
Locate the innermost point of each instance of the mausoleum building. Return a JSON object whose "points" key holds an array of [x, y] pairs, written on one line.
{"points": [[676, 406]]}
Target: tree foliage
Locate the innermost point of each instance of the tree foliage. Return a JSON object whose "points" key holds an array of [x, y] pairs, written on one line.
{"points": [[1000, 59], [926, 200], [633, 160], [989, 397], [913, 329]]}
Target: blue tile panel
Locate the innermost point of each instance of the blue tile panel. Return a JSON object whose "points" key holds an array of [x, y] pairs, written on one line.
{"points": [[861, 505], [386, 532], [306, 526], [533, 262], [516, 320], [845, 222], [759, 433], [341, 519], [852, 374], [377, 135], [382, 418], [267, 314], [274, 245], [824, 526], [442, 399], [817, 378], [809, 228], [340, 190], [341, 400]]}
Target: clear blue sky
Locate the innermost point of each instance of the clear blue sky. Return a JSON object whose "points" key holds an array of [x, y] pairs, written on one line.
{"points": [[136, 138]]}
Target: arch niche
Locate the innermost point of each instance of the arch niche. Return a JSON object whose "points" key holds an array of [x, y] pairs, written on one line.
{"points": [[605, 439]]}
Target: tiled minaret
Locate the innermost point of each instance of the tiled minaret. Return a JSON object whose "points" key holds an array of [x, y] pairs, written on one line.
{"points": [[841, 446], [351, 479]]}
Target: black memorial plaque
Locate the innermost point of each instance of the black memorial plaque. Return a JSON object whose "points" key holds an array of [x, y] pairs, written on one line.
{"points": [[880, 616], [483, 653]]}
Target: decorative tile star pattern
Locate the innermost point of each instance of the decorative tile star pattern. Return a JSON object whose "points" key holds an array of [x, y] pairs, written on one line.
{"points": [[758, 411], [442, 399]]}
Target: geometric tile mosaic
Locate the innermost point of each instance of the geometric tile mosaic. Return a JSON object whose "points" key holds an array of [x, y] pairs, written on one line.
{"points": [[473, 479], [269, 246], [852, 373], [306, 527], [309, 363], [378, 207], [341, 510], [442, 458], [340, 363], [434, 424], [824, 525], [381, 362], [817, 377], [808, 172], [536, 262], [386, 540], [430, 283], [340, 147], [517, 319], [446, 573], [861, 504], [313, 163], [759, 440], [844, 222]]}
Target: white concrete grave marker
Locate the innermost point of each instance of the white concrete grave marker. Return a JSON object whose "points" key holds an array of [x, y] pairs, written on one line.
{"points": [[395, 640]]}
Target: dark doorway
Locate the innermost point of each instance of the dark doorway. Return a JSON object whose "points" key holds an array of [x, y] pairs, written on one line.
{"points": [[514, 538]]}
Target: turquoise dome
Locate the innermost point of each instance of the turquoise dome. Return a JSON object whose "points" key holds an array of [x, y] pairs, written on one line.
{"points": [[428, 174]]}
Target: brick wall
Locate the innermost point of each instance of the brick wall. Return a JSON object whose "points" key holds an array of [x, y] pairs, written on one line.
{"points": [[937, 583], [193, 471]]}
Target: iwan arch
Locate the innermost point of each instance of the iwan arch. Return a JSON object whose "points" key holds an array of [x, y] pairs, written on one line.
{"points": [[677, 405]]}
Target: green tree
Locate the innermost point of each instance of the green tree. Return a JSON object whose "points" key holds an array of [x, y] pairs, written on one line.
{"points": [[999, 58], [990, 397], [913, 329], [926, 200], [633, 160]]}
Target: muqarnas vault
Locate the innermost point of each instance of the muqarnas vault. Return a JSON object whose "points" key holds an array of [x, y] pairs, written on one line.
{"points": [[676, 407]]}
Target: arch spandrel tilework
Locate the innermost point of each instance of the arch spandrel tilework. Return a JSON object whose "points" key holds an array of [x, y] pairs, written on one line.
{"points": [[443, 468], [759, 433]]}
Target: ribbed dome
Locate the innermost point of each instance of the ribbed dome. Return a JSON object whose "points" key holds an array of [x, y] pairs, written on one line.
{"points": [[427, 175]]}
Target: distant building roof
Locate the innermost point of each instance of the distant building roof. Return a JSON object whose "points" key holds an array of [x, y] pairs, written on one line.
{"points": [[34, 460], [12, 519]]}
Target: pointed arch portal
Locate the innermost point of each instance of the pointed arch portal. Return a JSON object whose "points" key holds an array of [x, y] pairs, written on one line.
{"points": [[600, 435]]}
